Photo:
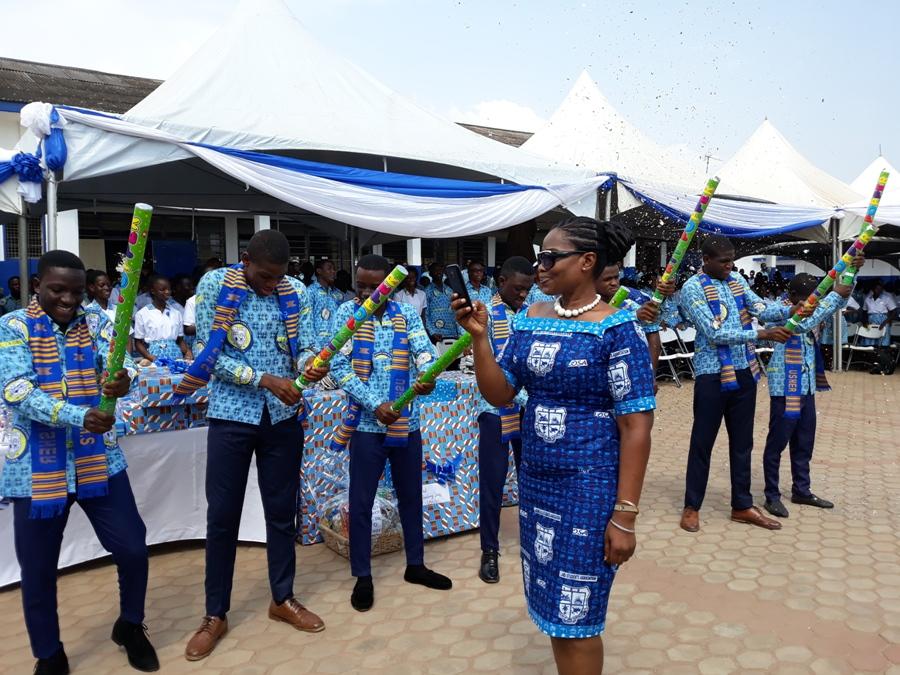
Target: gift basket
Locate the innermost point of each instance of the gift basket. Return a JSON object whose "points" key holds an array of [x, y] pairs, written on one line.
{"points": [[387, 534]]}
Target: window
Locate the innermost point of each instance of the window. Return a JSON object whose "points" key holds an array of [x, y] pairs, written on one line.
{"points": [[35, 239]]}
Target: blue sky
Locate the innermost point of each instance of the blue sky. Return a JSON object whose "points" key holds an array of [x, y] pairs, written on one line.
{"points": [[700, 74]]}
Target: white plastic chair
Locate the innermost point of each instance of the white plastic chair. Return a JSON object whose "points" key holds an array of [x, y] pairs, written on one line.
{"points": [[866, 332], [685, 336], [670, 355]]}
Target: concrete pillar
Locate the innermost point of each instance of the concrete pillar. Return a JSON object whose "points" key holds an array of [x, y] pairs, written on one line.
{"points": [[67, 231], [492, 252], [231, 239], [631, 257], [414, 252], [663, 254], [261, 223], [377, 249]]}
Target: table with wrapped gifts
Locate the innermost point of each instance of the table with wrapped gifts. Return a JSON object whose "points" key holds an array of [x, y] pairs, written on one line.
{"points": [[165, 446]]}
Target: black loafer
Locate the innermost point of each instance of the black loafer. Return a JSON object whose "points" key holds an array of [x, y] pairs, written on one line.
{"points": [[776, 508], [489, 571], [58, 664], [133, 637], [363, 596], [812, 500]]}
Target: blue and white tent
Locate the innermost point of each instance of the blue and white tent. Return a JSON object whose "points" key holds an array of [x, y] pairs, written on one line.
{"points": [[262, 116]]}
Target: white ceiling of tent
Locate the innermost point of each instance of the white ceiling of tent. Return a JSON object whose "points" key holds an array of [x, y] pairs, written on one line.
{"points": [[587, 131]]}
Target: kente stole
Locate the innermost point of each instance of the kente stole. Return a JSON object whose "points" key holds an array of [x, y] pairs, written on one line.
{"points": [[728, 374], [47, 444], [363, 351], [509, 415], [231, 295], [793, 374]]}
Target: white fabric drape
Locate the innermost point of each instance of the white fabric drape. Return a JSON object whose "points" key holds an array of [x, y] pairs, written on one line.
{"points": [[372, 209]]}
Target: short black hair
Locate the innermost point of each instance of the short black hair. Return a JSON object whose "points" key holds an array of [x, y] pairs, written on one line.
{"points": [[269, 246], [517, 265], [803, 283], [716, 244], [374, 262], [92, 276], [151, 281], [475, 262], [321, 262], [13, 278], [436, 263], [58, 258]]}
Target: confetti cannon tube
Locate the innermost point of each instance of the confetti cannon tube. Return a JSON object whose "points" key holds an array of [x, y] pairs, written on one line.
{"points": [[688, 235], [131, 279], [453, 352], [868, 226], [619, 297], [391, 283], [843, 267]]}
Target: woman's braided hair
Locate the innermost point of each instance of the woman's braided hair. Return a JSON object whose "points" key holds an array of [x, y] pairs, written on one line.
{"points": [[610, 241]]}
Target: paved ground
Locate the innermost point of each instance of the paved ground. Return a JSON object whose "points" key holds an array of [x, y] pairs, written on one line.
{"points": [[820, 596]]}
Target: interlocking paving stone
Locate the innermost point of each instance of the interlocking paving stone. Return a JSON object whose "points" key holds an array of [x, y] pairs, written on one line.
{"points": [[820, 596]]}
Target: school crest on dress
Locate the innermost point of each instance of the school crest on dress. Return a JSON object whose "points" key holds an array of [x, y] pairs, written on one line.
{"points": [[619, 381], [543, 543], [542, 356], [574, 603], [550, 423]]}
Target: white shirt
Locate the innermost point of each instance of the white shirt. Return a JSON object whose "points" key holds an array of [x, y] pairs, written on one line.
{"points": [[883, 304], [190, 314], [418, 299], [141, 301], [852, 303], [151, 325]]}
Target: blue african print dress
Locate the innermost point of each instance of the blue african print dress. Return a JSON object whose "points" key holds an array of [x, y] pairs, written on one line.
{"points": [[579, 376]]}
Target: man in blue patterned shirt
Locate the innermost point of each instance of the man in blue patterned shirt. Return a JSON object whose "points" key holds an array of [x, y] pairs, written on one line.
{"points": [[499, 429], [478, 290], [265, 339], [64, 450], [796, 370], [721, 304], [325, 300], [440, 322], [385, 356]]}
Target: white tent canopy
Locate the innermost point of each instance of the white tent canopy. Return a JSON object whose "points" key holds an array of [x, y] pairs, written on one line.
{"points": [[769, 168], [587, 131], [889, 208], [263, 82]]}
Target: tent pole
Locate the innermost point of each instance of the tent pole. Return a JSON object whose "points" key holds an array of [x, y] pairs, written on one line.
{"points": [[608, 206], [24, 286], [51, 211], [352, 257], [837, 346]]}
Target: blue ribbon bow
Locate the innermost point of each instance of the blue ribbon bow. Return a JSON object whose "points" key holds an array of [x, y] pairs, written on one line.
{"points": [[446, 472]]}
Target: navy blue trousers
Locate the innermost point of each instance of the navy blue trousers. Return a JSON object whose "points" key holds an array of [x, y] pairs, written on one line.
{"points": [[121, 531], [368, 457], [800, 434], [493, 465], [279, 452], [711, 406]]}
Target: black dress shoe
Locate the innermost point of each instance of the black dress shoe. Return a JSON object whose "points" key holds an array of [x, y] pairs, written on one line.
{"points": [[58, 664], [490, 567], [133, 637], [363, 596], [812, 500], [776, 508]]}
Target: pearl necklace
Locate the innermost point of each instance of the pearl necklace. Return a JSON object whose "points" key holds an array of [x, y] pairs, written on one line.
{"points": [[569, 313]]}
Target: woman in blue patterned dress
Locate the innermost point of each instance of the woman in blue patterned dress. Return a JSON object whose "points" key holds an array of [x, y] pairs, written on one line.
{"points": [[586, 435]]}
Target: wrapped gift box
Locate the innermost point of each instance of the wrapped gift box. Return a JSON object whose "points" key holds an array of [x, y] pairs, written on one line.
{"points": [[449, 439], [156, 388], [323, 473], [136, 419]]}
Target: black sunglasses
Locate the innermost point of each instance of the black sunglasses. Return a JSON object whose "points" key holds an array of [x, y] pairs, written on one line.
{"points": [[547, 259]]}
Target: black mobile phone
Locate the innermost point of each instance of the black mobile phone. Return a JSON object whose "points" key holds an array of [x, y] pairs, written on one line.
{"points": [[456, 282]]}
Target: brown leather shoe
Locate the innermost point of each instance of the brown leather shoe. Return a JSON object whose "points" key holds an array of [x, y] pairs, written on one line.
{"points": [[206, 638], [753, 516], [292, 612], [690, 520]]}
